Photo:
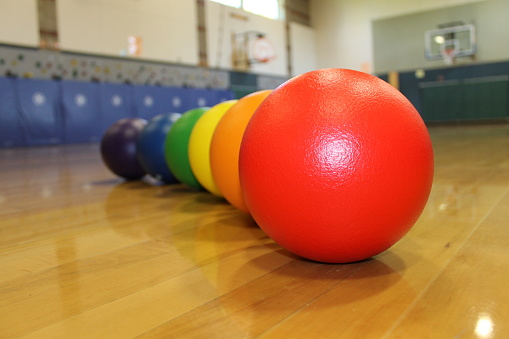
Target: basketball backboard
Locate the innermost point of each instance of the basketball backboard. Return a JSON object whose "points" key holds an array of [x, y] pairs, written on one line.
{"points": [[250, 47], [456, 41]]}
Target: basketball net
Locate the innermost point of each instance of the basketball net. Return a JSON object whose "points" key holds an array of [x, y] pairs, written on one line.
{"points": [[448, 55], [449, 49]]}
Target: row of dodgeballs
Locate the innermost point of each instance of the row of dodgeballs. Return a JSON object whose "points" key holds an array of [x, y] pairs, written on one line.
{"points": [[199, 148], [334, 165]]}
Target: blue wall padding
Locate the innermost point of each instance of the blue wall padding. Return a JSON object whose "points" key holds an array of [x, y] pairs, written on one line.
{"points": [[11, 134], [224, 95], [150, 101], [39, 111], [202, 98], [46, 112], [81, 112], [179, 100], [116, 102]]}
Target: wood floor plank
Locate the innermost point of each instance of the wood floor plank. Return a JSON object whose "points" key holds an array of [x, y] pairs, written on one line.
{"points": [[471, 292], [84, 254], [164, 300]]}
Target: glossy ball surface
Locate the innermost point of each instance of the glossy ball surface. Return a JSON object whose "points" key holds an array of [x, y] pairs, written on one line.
{"points": [[225, 147], [150, 146], [336, 165], [176, 147], [118, 148], [199, 145]]}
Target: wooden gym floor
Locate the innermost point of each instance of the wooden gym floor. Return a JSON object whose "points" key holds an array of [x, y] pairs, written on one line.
{"points": [[84, 255]]}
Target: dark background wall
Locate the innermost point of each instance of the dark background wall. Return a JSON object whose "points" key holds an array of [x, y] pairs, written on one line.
{"points": [[478, 92]]}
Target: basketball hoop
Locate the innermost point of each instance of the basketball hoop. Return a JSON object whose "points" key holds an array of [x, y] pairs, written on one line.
{"points": [[262, 50], [250, 47], [449, 49]]}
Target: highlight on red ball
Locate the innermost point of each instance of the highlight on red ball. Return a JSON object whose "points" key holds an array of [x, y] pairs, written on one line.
{"points": [[336, 165]]}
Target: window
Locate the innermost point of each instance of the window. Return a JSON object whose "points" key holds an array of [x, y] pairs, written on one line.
{"points": [[232, 3], [267, 8]]}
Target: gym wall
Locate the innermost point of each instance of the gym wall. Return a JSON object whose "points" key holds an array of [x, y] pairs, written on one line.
{"points": [[18, 23], [398, 42], [168, 28], [344, 36]]}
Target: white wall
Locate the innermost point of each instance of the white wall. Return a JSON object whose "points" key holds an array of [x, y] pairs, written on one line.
{"points": [[341, 30], [221, 24], [168, 28], [343, 27], [19, 22], [303, 52]]}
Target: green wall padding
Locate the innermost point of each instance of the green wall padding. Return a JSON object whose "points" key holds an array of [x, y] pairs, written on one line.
{"points": [[465, 100]]}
